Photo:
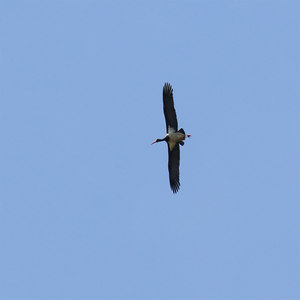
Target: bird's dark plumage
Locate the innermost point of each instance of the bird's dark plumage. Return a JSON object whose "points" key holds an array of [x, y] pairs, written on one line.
{"points": [[173, 164], [171, 121], [174, 137], [169, 110]]}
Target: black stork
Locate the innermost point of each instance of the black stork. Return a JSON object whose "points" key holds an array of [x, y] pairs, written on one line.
{"points": [[174, 137]]}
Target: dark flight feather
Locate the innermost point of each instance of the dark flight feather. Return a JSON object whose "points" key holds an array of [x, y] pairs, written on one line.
{"points": [[169, 110], [174, 158]]}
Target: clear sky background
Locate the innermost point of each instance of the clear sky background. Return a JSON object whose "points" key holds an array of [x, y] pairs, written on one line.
{"points": [[86, 211]]}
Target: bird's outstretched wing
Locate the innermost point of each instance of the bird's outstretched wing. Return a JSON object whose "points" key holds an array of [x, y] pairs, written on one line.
{"points": [[174, 160], [169, 110]]}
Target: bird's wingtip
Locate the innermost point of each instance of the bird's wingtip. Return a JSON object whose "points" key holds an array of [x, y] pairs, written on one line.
{"points": [[167, 88], [175, 187]]}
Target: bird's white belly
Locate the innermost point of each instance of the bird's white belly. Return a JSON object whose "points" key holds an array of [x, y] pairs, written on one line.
{"points": [[174, 138], [171, 130]]}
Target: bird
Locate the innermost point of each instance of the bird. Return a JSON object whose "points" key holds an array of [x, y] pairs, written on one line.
{"points": [[174, 137]]}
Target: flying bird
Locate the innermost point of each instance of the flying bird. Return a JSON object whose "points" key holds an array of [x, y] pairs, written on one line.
{"points": [[174, 137]]}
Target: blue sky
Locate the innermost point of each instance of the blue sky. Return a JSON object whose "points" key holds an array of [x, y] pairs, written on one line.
{"points": [[86, 211]]}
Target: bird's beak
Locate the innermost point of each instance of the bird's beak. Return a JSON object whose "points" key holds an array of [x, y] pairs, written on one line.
{"points": [[154, 142]]}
